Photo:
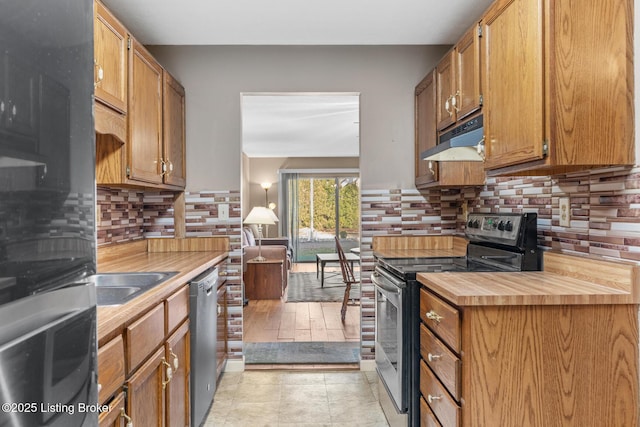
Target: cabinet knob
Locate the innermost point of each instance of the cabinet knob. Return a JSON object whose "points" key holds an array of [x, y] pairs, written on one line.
{"points": [[430, 166], [447, 105], [223, 273], [432, 315], [168, 372]]}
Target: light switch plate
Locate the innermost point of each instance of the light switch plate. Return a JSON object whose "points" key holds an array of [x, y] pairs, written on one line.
{"points": [[223, 211], [565, 212]]}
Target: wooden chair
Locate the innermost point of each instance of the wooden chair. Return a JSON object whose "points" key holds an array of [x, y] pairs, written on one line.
{"points": [[347, 277]]}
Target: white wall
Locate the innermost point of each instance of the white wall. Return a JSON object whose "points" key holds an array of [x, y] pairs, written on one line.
{"points": [[215, 76]]}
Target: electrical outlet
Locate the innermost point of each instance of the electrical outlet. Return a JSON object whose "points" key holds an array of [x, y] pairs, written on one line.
{"points": [[565, 212], [223, 211]]}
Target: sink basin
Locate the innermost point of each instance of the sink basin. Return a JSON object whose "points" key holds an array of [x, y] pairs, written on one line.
{"points": [[118, 288]]}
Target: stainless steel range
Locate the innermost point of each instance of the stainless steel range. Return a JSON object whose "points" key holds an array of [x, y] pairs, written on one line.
{"points": [[497, 242]]}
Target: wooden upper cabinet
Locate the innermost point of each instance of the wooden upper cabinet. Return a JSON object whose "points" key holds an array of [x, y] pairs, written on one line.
{"points": [[144, 148], [426, 132], [458, 80], [445, 83], [427, 111], [558, 85], [174, 132], [467, 62], [110, 59]]}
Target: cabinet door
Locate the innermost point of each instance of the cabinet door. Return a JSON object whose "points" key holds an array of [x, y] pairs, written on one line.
{"points": [[110, 59], [467, 60], [445, 84], [513, 82], [177, 392], [174, 132], [144, 149], [221, 325], [114, 416], [145, 399], [426, 132]]}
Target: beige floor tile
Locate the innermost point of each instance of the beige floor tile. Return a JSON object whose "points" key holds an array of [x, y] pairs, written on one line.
{"points": [[262, 377], [254, 413], [304, 393], [359, 392], [344, 378], [301, 412], [353, 411], [303, 378], [248, 392]]}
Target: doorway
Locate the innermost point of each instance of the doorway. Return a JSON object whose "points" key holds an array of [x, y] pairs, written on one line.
{"points": [[315, 135]]}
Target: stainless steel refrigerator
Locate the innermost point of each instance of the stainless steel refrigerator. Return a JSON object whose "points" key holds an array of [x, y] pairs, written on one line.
{"points": [[47, 221]]}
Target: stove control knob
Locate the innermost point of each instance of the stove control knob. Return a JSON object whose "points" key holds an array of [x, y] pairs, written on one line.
{"points": [[508, 226], [476, 223], [470, 224], [501, 226], [494, 225]]}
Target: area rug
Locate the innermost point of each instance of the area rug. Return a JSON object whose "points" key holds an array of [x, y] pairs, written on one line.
{"points": [[301, 352], [304, 287]]}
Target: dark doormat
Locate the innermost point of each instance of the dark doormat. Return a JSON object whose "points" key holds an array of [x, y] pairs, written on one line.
{"points": [[301, 352], [305, 287]]}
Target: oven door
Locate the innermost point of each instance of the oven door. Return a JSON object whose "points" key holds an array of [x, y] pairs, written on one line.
{"points": [[390, 338]]}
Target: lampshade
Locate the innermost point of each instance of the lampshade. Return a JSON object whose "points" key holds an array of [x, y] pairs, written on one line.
{"points": [[261, 215]]}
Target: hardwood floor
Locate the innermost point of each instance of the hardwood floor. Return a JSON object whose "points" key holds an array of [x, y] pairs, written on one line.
{"points": [[277, 320]]}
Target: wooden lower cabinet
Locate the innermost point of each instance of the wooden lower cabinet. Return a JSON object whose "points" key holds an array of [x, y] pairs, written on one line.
{"points": [[145, 397], [177, 353], [528, 365], [116, 416]]}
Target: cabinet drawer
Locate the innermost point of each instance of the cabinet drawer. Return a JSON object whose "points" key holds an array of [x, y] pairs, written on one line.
{"points": [[110, 368], [437, 398], [444, 363], [177, 308], [442, 318], [427, 418], [113, 417], [143, 336]]}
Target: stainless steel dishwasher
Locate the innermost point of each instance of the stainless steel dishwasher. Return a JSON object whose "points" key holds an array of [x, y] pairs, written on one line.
{"points": [[202, 316]]}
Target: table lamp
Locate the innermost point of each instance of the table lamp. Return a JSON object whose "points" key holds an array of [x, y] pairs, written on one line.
{"points": [[260, 216]]}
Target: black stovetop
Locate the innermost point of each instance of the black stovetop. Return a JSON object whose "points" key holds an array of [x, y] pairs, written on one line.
{"points": [[407, 268]]}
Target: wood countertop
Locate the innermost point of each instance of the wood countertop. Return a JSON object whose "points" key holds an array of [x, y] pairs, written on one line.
{"points": [[566, 280], [113, 319], [427, 246]]}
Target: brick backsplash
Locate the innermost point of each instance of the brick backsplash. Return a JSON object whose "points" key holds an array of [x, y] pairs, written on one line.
{"points": [[605, 220]]}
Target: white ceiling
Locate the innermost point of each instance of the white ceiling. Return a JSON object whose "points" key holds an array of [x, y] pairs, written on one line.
{"points": [[310, 125], [300, 125], [297, 22]]}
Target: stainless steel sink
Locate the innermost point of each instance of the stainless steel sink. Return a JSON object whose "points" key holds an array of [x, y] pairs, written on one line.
{"points": [[118, 288]]}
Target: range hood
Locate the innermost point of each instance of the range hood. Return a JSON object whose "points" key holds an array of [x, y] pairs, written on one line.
{"points": [[459, 144]]}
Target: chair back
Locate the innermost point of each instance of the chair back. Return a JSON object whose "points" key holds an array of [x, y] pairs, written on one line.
{"points": [[347, 271]]}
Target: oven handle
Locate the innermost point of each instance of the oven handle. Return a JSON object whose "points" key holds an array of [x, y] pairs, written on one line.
{"points": [[380, 281]]}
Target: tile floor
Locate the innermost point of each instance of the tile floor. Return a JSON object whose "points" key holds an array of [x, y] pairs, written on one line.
{"points": [[297, 398]]}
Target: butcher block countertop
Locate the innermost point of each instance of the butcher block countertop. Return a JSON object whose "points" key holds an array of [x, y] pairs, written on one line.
{"points": [[566, 280], [187, 258], [419, 246]]}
